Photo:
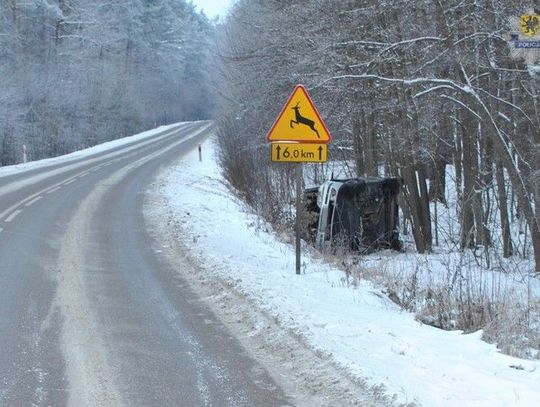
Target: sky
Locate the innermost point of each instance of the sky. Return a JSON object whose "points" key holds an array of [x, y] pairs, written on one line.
{"points": [[213, 8]]}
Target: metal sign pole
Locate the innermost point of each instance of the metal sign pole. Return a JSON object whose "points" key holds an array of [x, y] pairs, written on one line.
{"points": [[299, 135], [299, 176]]}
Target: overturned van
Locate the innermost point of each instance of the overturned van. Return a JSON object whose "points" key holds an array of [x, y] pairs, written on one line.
{"points": [[359, 214]]}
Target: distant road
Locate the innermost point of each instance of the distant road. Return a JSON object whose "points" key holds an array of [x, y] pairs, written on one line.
{"points": [[90, 315]]}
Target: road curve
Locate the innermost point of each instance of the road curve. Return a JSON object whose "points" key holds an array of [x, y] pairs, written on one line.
{"points": [[90, 315]]}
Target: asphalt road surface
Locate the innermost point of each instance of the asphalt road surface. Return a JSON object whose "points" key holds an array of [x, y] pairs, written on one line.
{"points": [[90, 315]]}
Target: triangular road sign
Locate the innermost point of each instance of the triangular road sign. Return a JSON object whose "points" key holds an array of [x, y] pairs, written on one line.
{"points": [[299, 121]]}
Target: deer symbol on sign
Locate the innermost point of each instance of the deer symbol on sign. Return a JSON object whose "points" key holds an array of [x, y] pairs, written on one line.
{"points": [[299, 119]]}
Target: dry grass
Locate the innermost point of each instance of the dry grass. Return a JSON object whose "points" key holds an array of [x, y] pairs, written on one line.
{"points": [[507, 319]]}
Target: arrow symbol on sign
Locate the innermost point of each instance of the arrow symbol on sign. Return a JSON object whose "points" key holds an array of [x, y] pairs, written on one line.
{"points": [[278, 149], [320, 153]]}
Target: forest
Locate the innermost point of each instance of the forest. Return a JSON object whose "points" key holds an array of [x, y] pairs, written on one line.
{"points": [[76, 73], [407, 88]]}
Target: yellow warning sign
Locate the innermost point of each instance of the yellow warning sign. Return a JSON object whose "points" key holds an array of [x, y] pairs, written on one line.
{"points": [[299, 121]]}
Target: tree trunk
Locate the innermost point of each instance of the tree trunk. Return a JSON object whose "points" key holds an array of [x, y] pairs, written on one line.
{"points": [[503, 211], [370, 148], [358, 145], [467, 214], [458, 165], [437, 181], [425, 213], [414, 205]]}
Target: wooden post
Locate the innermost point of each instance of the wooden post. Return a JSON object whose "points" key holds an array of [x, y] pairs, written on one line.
{"points": [[200, 153]]}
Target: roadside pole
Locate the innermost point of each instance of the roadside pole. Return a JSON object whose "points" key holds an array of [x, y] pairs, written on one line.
{"points": [[299, 182], [299, 135]]}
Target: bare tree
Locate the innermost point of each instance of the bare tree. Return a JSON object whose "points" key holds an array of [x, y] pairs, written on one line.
{"points": [[408, 90]]}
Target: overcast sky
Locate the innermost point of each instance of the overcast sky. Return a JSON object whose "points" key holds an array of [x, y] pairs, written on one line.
{"points": [[212, 8]]}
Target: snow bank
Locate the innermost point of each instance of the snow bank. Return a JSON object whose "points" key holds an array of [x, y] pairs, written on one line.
{"points": [[77, 155], [358, 326]]}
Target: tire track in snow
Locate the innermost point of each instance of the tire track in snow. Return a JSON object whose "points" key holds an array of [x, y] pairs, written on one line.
{"points": [[91, 378]]}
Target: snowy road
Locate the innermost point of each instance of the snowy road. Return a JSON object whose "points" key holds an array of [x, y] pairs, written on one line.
{"points": [[90, 314]]}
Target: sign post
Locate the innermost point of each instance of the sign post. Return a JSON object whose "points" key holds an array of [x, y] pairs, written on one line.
{"points": [[299, 135], [299, 179]]}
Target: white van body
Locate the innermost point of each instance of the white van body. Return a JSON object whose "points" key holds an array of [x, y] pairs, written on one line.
{"points": [[326, 200], [359, 214]]}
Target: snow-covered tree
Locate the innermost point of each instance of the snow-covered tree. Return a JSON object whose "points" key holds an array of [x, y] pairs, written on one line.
{"points": [[408, 87]]}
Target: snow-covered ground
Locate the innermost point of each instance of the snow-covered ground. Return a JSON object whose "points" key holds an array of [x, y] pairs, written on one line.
{"points": [[358, 325]]}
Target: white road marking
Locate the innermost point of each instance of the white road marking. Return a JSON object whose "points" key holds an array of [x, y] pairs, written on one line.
{"points": [[13, 216], [33, 201], [69, 182], [132, 149], [50, 191], [73, 163]]}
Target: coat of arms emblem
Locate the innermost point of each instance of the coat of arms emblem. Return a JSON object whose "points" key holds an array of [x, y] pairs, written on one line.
{"points": [[530, 24]]}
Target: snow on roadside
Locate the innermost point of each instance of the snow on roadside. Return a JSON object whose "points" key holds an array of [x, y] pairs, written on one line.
{"points": [[31, 165], [359, 327]]}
